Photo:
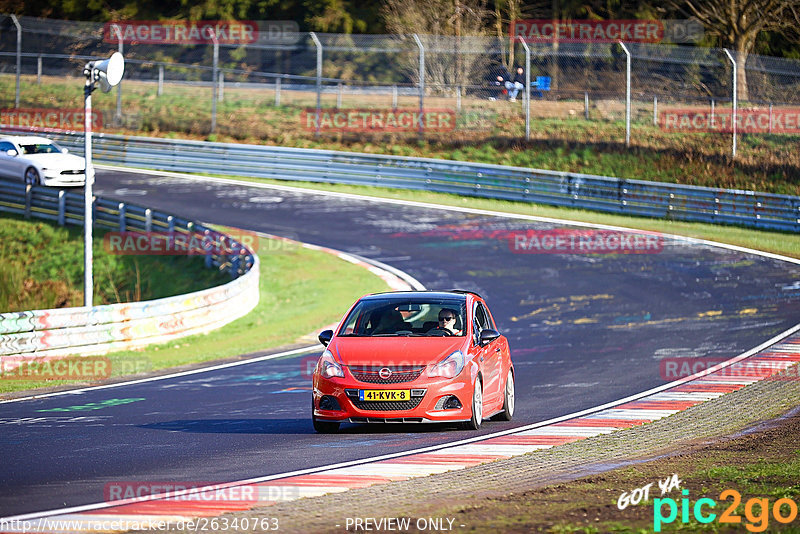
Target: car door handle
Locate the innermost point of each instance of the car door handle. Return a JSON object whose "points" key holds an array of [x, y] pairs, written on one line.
{"points": [[497, 350], [481, 358]]}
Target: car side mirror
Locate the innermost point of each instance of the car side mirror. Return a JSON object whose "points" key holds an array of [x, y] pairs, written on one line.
{"points": [[325, 337], [12, 152], [488, 335]]}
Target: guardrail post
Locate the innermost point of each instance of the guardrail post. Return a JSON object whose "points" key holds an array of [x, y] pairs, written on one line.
{"points": [[19, 56], [209, 247], [28, 195], [122, 219], [62, 208], [421, 80], [318, 45], [160, 90], [277, 92], [170, 224], [627, 94], [148, 220]]}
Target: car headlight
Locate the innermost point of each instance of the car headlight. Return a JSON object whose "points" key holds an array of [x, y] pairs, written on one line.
{"points": [[327, 366], [449, 367]]}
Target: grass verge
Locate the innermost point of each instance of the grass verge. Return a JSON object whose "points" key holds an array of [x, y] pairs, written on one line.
{"points": [[489, 132], [42, 268], [300, 291]]}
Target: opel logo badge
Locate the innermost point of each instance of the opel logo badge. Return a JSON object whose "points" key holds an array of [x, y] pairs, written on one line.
{"points": [[385, 373]]}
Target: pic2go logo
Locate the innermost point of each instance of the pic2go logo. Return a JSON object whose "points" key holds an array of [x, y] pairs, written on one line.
{"points": [[756, 511]]}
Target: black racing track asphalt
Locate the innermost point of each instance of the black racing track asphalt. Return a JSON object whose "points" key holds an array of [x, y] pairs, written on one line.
{"points": [[584, 329]]}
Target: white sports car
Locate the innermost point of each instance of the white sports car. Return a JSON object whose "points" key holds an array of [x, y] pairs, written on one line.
{"points": [[39, 161]]}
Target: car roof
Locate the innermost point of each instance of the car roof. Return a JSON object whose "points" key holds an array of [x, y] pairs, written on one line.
{"points": [[412, 295], [20, 139]]}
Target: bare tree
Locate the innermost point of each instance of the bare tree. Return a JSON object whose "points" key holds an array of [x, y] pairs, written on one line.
{"points": [[738, 23], [451, 57]]}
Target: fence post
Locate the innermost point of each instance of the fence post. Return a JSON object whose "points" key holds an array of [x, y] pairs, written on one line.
{"points": [[19, 56], [627, 94], [62, 208], [148, 220], [277, 92], [526, 97], [770, 118], [39, 70], [160, 80], [655, 111], [458, 99], [586, 105], [339, 96], [318, 45], [118, 115], [421, 80], [394, 97], [214, 66], [735, 102], [712, 110], [221, 94]]}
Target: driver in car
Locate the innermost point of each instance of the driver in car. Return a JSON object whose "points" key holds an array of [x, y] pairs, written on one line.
{"points": [[447, 321]]}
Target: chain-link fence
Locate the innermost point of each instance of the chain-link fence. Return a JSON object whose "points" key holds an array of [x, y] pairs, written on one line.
{"points": [[307, 85]]}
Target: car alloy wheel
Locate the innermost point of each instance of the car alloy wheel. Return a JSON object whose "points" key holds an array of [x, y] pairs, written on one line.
{"points": [[31, 176], [509, 400], [477, 407]]}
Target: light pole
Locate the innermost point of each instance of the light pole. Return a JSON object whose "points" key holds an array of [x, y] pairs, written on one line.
{"points": [[108, 73]]}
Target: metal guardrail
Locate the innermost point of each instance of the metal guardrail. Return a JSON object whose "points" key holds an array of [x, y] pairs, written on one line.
{"points": [[584, 191], [105, 328]]}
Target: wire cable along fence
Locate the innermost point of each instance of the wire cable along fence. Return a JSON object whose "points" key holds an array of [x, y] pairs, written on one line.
{"points": [[600, 193], [112, 327], [235, 79]]}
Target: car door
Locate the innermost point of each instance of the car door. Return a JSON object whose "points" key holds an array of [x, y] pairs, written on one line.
{"points": [[491, 358], [9, 165]]}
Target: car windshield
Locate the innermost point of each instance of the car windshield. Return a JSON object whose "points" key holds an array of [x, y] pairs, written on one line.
{"points": [[40, 148], [376, 317]]}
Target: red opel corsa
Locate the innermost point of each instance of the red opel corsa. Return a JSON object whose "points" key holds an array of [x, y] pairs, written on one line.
{"points": [[417, 356]]}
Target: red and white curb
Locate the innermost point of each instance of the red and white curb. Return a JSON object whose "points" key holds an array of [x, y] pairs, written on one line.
{"points": [[181, 508]]}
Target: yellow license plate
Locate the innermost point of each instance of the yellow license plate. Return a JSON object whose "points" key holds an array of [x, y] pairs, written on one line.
{"points": [[384, 394]]}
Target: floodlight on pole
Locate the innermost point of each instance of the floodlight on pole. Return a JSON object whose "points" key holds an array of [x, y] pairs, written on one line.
{"points": [[107, 73]]}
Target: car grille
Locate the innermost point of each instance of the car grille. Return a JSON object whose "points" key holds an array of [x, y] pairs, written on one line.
{"points": [[387, 406], [73, 171], [399, 374]]}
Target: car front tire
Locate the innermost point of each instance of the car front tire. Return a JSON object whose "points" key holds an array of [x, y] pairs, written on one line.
{"points": [[477, 407], [32, 176], [323, 427]]}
